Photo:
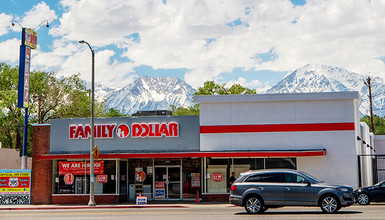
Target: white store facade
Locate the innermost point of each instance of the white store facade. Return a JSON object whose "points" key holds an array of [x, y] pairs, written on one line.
{"points": [[300, 122]]}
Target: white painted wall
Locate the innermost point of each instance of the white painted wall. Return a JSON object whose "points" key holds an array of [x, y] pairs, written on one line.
{"points": [[9, 159], [340, 165], [379, 144]]}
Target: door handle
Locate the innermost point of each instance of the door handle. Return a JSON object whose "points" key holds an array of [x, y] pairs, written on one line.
{"points": [[261, 188], [287, 188]]}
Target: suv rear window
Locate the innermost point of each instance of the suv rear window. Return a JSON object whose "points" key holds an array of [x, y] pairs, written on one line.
{"points": [[266, 177]]}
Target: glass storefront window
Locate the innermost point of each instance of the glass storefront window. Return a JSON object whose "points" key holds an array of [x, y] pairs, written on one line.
{"points": [[217, 174], [140, 173], [285, 163], [219, 170], [191, 177], [123, 177], [72, 177]]}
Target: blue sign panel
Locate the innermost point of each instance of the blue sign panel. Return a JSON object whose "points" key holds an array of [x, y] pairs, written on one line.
{"points": [[23, 89]]}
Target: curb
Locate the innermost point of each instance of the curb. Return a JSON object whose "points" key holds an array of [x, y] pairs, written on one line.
{"points": [[95, 207]]}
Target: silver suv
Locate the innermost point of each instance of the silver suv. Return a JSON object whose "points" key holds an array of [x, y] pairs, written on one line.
{"points": [[259, 190]]}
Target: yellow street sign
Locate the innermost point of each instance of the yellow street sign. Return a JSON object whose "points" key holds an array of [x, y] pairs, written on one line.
{"points": [[96, 153]]}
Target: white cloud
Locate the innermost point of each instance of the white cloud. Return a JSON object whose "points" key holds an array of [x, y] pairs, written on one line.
{"points": [[10, 51], [37, 15], [242, 81], [6, 21], [194, 35]]}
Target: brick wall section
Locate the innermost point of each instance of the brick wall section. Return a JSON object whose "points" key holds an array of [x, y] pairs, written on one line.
{"points": [[215, 197], [41, 187], [84, 199]]}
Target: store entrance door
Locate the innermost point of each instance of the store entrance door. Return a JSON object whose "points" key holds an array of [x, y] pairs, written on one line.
{"points": [[167, 183]]}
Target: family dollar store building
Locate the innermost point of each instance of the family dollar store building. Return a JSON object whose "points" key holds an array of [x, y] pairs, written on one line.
{"points": [[176, 158]]}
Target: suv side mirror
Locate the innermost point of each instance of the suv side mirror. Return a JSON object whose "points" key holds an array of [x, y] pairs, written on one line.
{"points": [[307, 182]]}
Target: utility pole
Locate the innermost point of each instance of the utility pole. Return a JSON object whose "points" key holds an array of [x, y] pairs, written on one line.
{"points": [[369, 85]]}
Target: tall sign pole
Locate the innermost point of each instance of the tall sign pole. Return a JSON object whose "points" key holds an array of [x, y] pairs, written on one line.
{"points": [[28, 43]]}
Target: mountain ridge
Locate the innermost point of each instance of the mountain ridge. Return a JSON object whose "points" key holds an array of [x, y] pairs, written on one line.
{"points": [[158, 93]]}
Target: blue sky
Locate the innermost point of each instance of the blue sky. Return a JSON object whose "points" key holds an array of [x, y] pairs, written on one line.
{"points": [[254, 43]]}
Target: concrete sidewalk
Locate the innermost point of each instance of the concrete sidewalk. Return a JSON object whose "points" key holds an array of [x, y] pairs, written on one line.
{"points": [[108, 206]]}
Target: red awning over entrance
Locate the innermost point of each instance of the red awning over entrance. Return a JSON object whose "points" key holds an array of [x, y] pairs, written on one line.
{"points": [[294, 153]]}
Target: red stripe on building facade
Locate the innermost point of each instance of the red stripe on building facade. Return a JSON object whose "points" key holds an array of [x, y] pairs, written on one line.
{"points": [[189, 154], [276, 128]]}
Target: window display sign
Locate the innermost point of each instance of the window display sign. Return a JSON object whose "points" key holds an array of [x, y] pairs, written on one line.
{"points": [[141, 200], [195, 179], [160, 190], [217, 177], [149, 171], [140, 176], [101, 178], [15, 186], [69, 179], [78, 168]]}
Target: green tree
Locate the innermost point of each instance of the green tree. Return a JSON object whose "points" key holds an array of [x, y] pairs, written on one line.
{"points": [[50, 98], [114, 113], [238, 89], [11, 117], [211, 88], [378, 124], [192, 110]]}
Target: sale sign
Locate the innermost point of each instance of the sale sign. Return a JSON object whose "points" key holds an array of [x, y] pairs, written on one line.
{"points": [[140, 176], [160, 190], [15, 181], [69, 179], [101, 178], [79, 168], [217, 177]]}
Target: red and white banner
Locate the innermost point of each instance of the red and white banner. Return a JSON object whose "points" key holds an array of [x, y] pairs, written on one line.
{"points": [[101, 178], [217, 177], [78, 168]]}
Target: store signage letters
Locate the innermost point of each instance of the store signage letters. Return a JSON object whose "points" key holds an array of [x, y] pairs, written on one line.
{"points": [[139, 130]]}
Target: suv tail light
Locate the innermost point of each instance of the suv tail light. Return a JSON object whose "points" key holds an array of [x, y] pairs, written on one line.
{"points": [[233, 187]]}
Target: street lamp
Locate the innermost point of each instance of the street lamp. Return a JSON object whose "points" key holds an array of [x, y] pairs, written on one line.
{"points": [[92, 199]]}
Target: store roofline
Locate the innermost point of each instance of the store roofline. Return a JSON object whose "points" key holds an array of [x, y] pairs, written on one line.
{"points": [[276, 153], [277, 97]]}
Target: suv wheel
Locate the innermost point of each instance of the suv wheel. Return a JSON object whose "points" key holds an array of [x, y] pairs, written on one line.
{"points": [[254, 205], [330, 204], [363, 199]]}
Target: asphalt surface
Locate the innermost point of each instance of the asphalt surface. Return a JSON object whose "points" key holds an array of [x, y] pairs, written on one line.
{"points": [[178, 211]]}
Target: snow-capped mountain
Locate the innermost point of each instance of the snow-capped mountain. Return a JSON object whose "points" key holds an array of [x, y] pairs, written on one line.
{"points": [[101, 91], [323, 78], [151, 93]]}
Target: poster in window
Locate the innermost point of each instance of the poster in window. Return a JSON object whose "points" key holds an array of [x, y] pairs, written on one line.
{"points": [[217, 177], [69, 178], [195, 179], [101, 178], [160, 190]]}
